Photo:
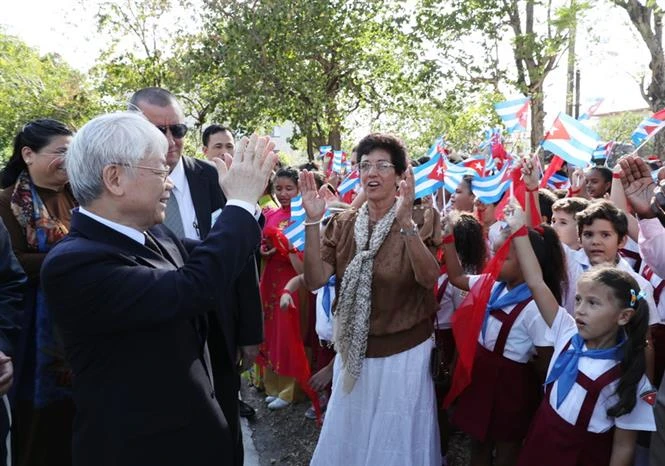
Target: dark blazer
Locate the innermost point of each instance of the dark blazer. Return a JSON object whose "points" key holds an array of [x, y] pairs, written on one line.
{"points": [[238, 320], [131, 322], [246, 327], [12, 288]]}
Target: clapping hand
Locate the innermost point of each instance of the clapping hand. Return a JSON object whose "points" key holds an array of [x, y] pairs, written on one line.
{"points": [[313, 199], [577, 180], [404, 213], [637, 185], [286, 301], [247, 177]]}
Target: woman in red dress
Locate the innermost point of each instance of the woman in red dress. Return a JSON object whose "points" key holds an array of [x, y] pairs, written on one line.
{"points": [[282, 263]]}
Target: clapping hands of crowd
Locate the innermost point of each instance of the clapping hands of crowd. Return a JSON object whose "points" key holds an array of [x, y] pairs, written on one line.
{"points": [[404, 213], [246, 178], [638, 185], [313, 199]]}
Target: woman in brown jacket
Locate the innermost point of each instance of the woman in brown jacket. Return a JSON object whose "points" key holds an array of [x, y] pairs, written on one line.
{"points": [[35, 205]]}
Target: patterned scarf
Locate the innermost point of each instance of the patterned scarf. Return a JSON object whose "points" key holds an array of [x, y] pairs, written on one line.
{"points": [[355, 297], [40, 229]]}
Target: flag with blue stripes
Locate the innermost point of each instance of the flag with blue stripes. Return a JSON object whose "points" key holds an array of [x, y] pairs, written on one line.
{"points": [[338, 161], [349, 183], [513, 113], [490, 189], [648, 127], [491, 136], [571, 140], [591, 111], [454, 175], [295, 231], [558, 181], [439, 147], [428, 177]]}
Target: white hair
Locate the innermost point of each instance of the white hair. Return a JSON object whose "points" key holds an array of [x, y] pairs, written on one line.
{"points": [[123, 138]]}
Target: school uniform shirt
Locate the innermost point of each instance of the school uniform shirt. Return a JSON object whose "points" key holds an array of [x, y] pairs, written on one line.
{"points": [[658, 286], [451, 300], [578, 263], [528, 331], [640, 418]]}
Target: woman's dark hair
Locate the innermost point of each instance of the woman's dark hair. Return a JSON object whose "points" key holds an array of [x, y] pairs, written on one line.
{"points": [[633, 363], [287, 172], [309, 166], [467, 179], [391, 144], [36, 135], [469, 242], [545, 243]]}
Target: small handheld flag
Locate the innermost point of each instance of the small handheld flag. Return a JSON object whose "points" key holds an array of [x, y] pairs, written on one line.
{"points": [[428, 177], [295, 232], [513, 113], [648, 128], [571, 140]]}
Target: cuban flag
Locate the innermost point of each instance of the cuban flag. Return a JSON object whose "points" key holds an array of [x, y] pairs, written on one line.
{"points": [[648, 127], [602, 152], [338, 161], [348, 185], [513, 113], [428, 177], [571, 140], [492, 136], [477, 164], [454, 175], [295, 232], [440, 146], [490, 189], [558, 181], [591, 111]]}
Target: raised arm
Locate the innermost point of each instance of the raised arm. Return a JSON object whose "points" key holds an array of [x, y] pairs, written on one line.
{"points": [[618, 197], [533, 275], [316, 271], [530, 176], [425, 267], [456, 275]]}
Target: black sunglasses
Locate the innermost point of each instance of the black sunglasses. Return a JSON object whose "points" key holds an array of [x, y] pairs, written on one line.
{"points": [[178, 131]]}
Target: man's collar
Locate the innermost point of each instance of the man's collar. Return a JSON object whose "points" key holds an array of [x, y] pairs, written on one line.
{"points": [[177, 176]]}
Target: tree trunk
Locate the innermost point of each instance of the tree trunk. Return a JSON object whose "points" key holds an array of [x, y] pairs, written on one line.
{"points": [[537, 118], [335, 138]]}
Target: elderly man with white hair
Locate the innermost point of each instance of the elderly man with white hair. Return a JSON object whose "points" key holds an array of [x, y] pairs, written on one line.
{"points": [[130, 300]]}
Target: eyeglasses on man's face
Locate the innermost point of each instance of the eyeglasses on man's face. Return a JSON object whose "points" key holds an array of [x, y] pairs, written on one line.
{"points": [[177, 131], [161, 172], [381, 166]]}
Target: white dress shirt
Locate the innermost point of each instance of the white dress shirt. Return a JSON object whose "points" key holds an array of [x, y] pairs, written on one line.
{"points": [[130, 232], [185, 203]]}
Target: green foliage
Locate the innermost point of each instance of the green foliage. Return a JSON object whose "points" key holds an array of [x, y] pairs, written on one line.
{"points": [[619, 127], [314, 62], [34, 86]]}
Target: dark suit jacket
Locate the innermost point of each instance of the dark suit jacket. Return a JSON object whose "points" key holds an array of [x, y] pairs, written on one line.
{"points": [[243, 325], [12, 289], [131, 323]]}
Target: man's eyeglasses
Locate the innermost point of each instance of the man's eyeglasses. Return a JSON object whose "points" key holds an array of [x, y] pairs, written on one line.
{"points": [[177, 131], [162, 172], [381, 166]]}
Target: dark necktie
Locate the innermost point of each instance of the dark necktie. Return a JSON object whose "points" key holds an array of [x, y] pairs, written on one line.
{"points": [[151, 244], [173, 219]]}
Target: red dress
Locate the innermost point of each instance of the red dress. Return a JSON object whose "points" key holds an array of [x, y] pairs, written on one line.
{"points": [[552, 441], [276, 350], [500, 402]]}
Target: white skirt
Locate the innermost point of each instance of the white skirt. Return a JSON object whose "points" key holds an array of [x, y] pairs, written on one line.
{"points": [[389, 418]]}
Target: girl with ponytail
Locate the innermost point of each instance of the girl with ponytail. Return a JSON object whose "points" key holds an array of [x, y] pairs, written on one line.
{"points": [[597, 396]]}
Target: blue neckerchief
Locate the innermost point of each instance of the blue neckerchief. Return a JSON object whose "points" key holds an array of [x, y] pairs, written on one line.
{"points": [[327, 305], [514, 296], [565, 366]]}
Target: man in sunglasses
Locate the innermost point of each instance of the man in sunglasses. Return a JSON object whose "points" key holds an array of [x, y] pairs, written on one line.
{"points": [[236, 327]]}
